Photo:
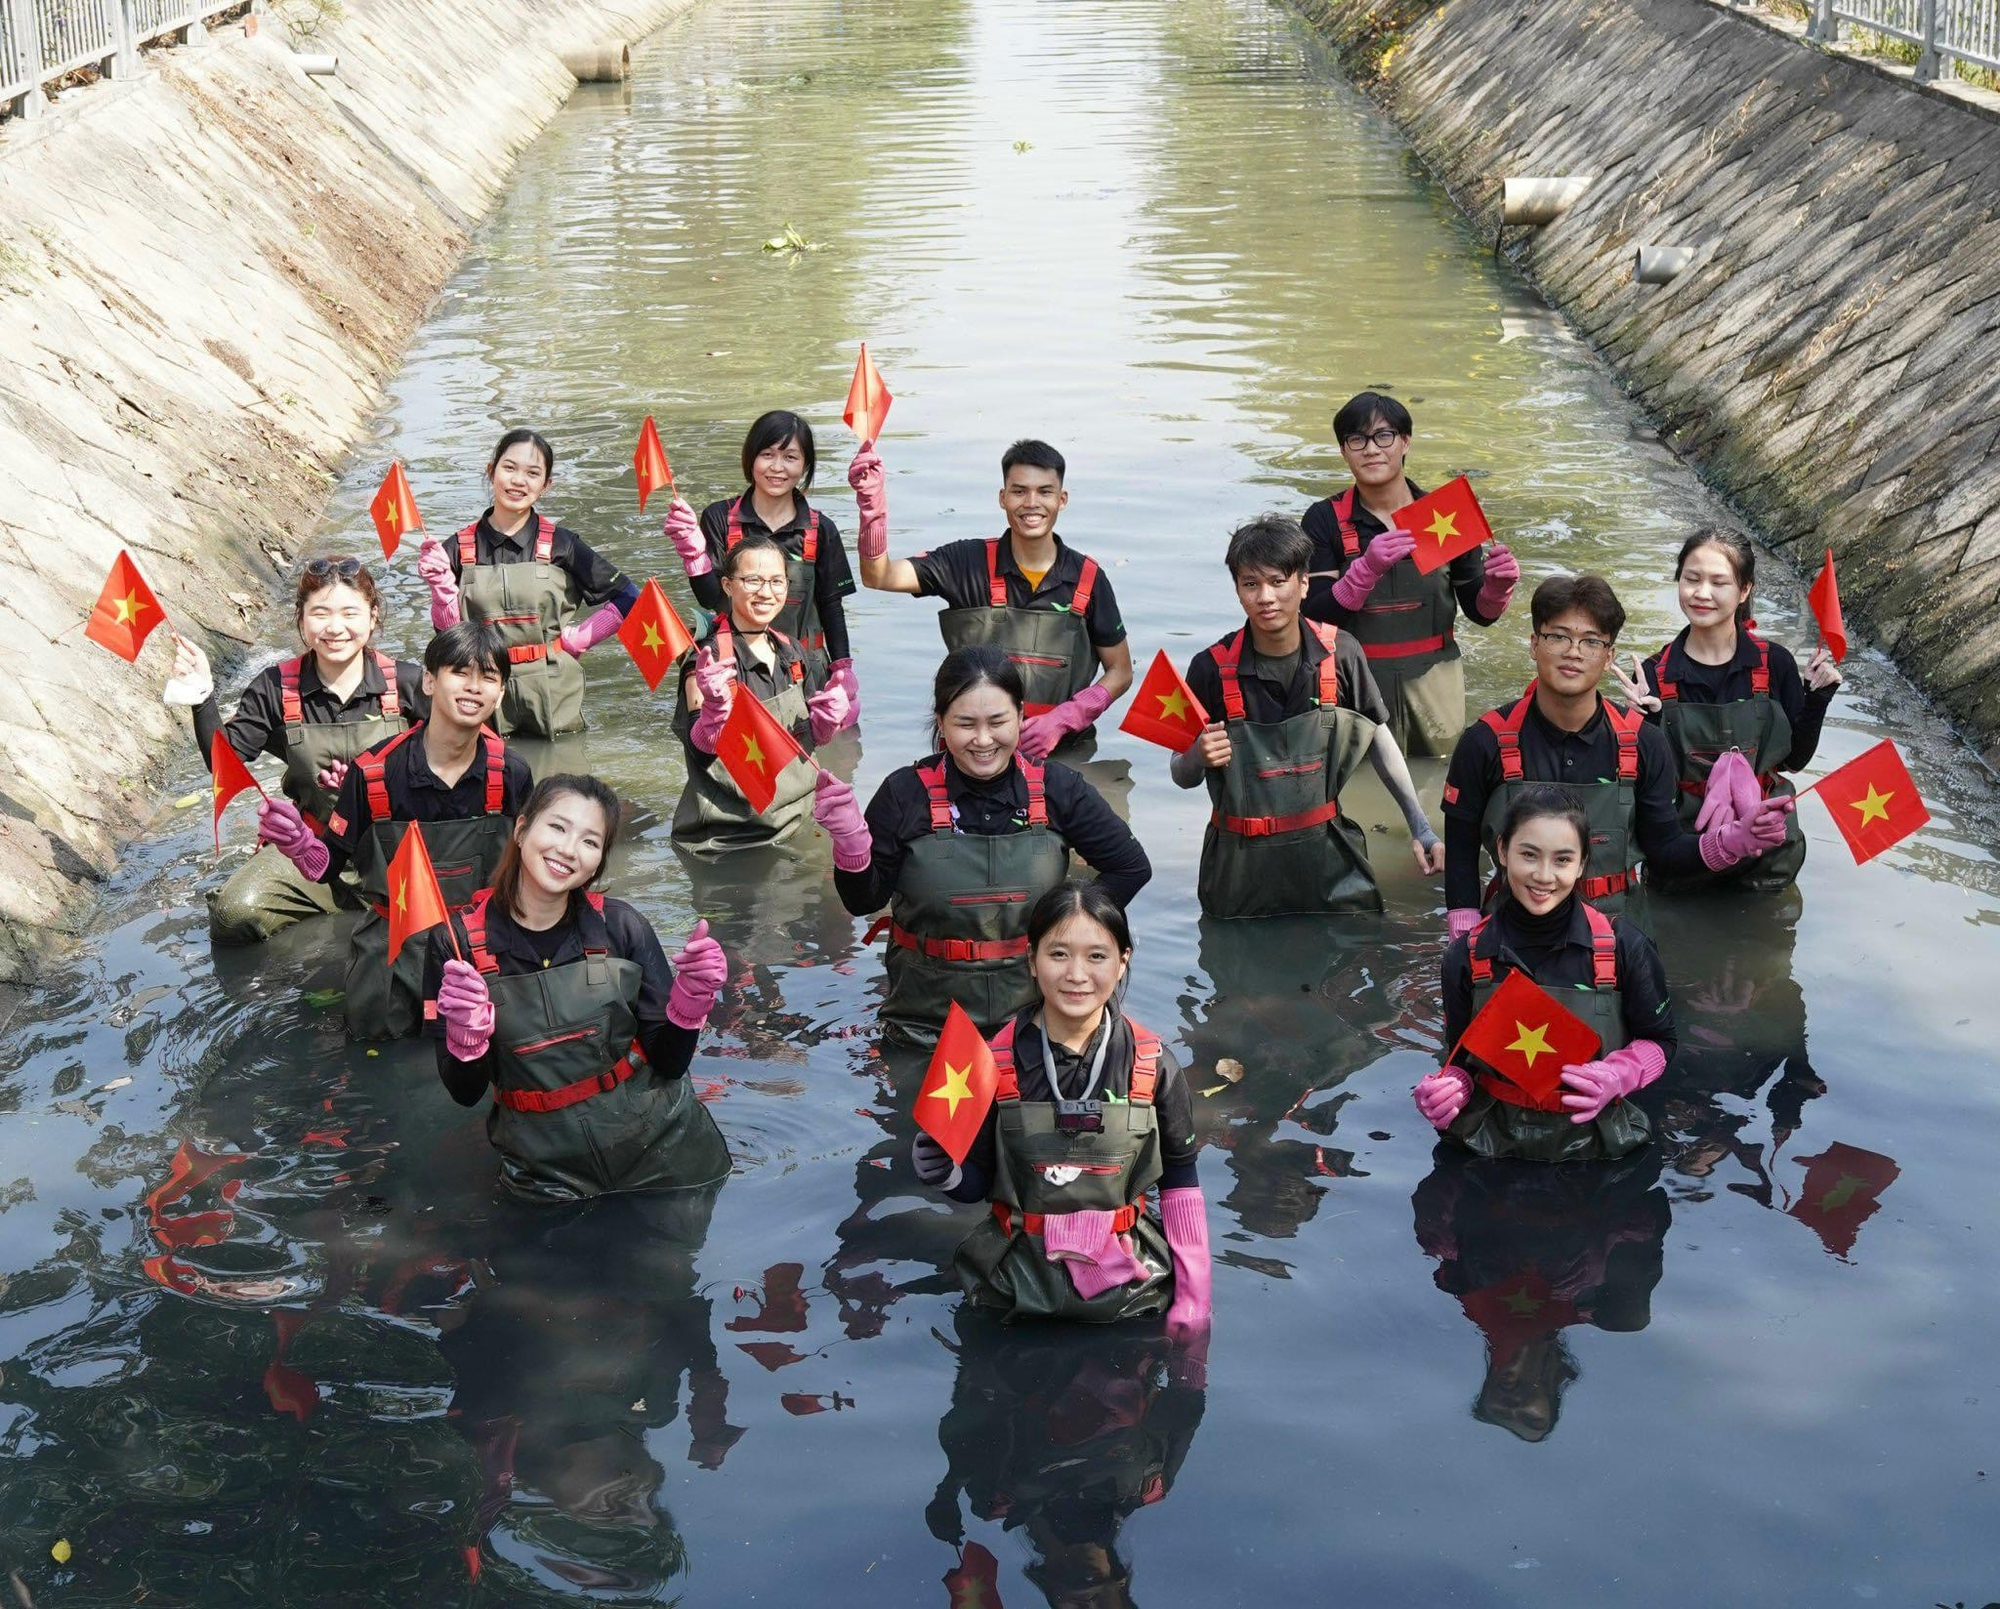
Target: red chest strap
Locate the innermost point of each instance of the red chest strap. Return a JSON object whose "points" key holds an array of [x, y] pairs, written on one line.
{"points": [[374, 771], [1329, 669], [1603, 950], [294, 712], [932, 777], [1145, 1064], [1228, 657], [496, 771], [1506, 726], [808, 544], [1343, 516], [996, 589], [473, 920], [1625, 726], [1760, 673], [545, 541], [1086, 583], [788, 657], [392, 696]]}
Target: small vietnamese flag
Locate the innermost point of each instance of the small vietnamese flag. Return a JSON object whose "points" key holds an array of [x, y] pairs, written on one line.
{"points": [[958, 1086], [1164, 710], [649, 462], [415, 900], [394, 509], [974, 1582], [1446, 523], [1825, 600], [1513, 1312], [1874, 801], [1843, 1189], [868, 399], [230, 776], [1528, 1039], [125, 611], [653, 634], [754, 749]]}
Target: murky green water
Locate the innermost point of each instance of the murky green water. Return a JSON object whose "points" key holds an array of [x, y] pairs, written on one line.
{"points": [[1751, 1367]]}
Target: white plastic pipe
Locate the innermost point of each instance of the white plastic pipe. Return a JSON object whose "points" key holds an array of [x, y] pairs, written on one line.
{"points": [[1655, 265], [318, 66], [1540, 200]]}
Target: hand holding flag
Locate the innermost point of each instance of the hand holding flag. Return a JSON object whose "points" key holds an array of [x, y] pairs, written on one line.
{"points": [[1164, 710], [868, 399], [125, 611], [1446, 523], [958, 1086], [1825, 600], [1874, 801], [754, 749], [394, 509], [1527, 1038], [229, 776], [653, 634], [649, 463], [415, 900]]}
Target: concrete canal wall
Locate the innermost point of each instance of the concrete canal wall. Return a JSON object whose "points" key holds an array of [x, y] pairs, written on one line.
{"points": [[206, 275], [1831, 361]]}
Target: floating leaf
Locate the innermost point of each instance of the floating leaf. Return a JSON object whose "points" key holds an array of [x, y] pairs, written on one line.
{"points": [[60, 1552], [1024, 145], [188, 801], [320, 999], [1213, 1089], [792, 240]]}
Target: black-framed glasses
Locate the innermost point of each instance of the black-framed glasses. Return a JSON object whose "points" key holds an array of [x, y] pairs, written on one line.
{"points": [[1385, 438], [1561, 641], [345, 568]]}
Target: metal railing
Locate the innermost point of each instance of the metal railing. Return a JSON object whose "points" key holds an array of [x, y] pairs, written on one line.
{"points": [[42, 40], [1962, 30]]}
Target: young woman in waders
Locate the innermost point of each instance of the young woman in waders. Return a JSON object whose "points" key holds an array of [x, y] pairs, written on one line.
{"points": [[561, 1001], [314, 713], [745, 653], [540, 586], [1601, 968], [1719, 686], [1092, 1116], [1048, 606], [778, 464], [451, 774], [1294, 710], [1364, 579], [959, 846]]}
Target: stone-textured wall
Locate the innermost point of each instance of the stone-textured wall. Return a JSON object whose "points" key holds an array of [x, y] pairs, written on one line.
{"points": [[206, 274], [1832, 361]]}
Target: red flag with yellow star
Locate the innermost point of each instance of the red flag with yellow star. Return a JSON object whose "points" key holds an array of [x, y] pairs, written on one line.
{"points": [[653, 634], [974, 1582], [958, 1087], [1164, 710], [868, 399], [1843, 1189], [649, 462], [1446, 523], [1875, 803], [125, 611], [230, 777], [1515, 1311], [416, 903], [1527, 1038], [394, 509], [1825, 600], [754, 749]]}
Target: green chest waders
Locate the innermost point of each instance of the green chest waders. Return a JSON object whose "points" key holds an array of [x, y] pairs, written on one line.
{"points": [[577, 1111], [958, 920], [528, 604], [1039, 1170], [1700, 734], [384, 1001], [799, 619], [1498, 1121], [713, 817], [1051, 647], [1277, 844]]}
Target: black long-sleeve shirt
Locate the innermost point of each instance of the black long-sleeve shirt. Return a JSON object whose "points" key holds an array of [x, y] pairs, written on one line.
{"points": [[258, 726], [1549, 754], [900, 814], [597, 579], [669, 1047], [417, 793], [833, 580], [1805, 708], [1329, 562], [1277, 689]]}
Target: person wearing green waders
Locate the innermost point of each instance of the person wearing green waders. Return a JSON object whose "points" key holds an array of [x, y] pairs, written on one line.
{"points": [[1293, 712], [562, 1003], [960, 846], [314, 713], [532, 580], [452, 775], [1364, 579], [1049, 608]]}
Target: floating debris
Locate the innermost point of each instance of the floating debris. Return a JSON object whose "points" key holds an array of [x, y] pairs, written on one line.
{"points": [[1230, 1068], [792, 241], [60, 1552], [1024, 145]]}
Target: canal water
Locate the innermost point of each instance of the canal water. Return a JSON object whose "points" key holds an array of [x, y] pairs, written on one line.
{"points": [[265, 1336]]}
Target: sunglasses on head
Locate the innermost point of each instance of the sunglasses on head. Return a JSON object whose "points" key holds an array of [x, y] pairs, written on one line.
{"points": [[345, 569]]}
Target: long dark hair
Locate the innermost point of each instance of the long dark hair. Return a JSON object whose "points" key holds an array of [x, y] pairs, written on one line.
{"points": [[1543, 800], [1742, 559], [774, 429], [507, 875], [1066, 900], [966, 668]]}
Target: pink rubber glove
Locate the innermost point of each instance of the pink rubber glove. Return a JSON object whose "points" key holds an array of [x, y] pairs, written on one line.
{"points": [[331, 778], [1442, 1095], [684, 531], [1184, 1216], [466, 1009], [844, 678], [717, 681], [1459, 921], [588, 632], [1375, 561], [1502, 571], [1097, 1260], [434, 568], [828, 711], [1737, 841], [1594, 1085], [700, 970], [280, 825], [871, 500], [1731, 794], [1041, 733], [835, 810]]}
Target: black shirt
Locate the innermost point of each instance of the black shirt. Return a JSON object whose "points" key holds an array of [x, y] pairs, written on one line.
{"points": [[1554, 950], [1549, 754], [900, 814], [956, 573], [832, 579], [597, 579], [669, 1047], [258, 726], [1805, 709], [1329, 562], [1276, 690], [416, 794], [1173, 1103]]}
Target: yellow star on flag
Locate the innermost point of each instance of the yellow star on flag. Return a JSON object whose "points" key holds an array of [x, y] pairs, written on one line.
{"points": [[1173, 705], [1521, 1304], [129, 609], [1841, 1194], [752, 753], [955, 1087], [218, 790], [1443, 526], [654, 643], [1532, 1042], [403, 897], [1875, 807]]}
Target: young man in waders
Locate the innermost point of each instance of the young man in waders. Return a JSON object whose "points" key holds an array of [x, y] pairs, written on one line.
{"points": [[451, 774], [1049, 608], [1363, 579], [1295, 712], [1616, 763]]}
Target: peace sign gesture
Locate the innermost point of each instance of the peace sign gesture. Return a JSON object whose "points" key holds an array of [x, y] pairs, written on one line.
{"points": [[1635, 687]]}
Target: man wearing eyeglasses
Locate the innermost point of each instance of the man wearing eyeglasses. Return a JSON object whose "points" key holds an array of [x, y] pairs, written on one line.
{"points": [[1562, 731], [1364, 581]]}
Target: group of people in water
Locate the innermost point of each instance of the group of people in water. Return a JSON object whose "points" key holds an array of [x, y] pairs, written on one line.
{"points": [[562, 1002]]}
